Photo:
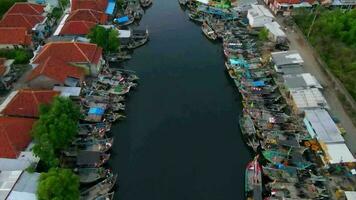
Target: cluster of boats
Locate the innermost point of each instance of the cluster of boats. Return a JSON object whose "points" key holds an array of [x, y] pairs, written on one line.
{"points": [[102, 102], [132, 11], [284, 167]]}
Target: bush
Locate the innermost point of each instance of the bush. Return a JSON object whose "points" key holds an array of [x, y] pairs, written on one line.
{"points": [[21, 56]]}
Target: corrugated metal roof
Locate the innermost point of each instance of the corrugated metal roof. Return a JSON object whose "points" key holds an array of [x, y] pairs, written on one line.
{"points": [[323, 126], [339, 153], [308, 98], [304, 80], [286, 58]]}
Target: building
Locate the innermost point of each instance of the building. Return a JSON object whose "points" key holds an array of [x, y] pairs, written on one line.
{"points": [[18, 185], [13, 37], [310, 98], [54, 72], [286, 59], [14, 135], [85, 55], [321, 126], [26, 9], [301, 81], [25, 103], [259, 15], [76, 28], [98, 5], [285, 7], [338, 153], [275, 33], [25, 160], [88, 15]]}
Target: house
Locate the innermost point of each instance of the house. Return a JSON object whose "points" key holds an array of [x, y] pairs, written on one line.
{"points": [[338, 153], [26, 9], [301, 81], [88, 15], [259, 15], [275, 33], [304, 99], [320, 125], [14, 135], [21, 20], [98, 5], [11, 37], [285, 7], [25, 103], [18, 185], [80, 54], [76, 28], [286, 59], [54, 72]]}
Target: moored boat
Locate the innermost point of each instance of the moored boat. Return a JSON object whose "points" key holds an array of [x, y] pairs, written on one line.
{"points": [[90, 175], [208, 31], [253, 180], [99, 189]]}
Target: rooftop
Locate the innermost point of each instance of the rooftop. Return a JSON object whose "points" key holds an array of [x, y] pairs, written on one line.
{"points": [[88, 15], [7, 181], [301, 81], [286, 58], [275, 29], [259, 11], [26, 9], [308, 98], [76, 28], [21, 20], [98, 5], [15, 36]]}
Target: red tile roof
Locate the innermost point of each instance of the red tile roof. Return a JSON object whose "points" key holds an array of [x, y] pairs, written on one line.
{"points": [[56, 70], [2, 66], [77, 28], [76, 52], [20, 20], [88, 15], [14, 135], [26, 102], [15, 36], [98, 5], [26, 9]]}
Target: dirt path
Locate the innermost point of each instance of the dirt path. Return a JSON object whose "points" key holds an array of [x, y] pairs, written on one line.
{"points": [[297, 42]]}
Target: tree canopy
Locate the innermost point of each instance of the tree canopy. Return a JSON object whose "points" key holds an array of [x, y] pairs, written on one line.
{"points": [[333, 34], [263, 34], [58, 184], [105, 38], [6, 4], [56, 128]]}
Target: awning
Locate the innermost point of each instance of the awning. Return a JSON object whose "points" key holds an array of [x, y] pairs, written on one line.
{"points": [[111, 7]]}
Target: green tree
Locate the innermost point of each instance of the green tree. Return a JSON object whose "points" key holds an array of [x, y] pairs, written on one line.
{"points": [[6, 4], [263, 34], [105, 38], [55, 129], [58, 184]]}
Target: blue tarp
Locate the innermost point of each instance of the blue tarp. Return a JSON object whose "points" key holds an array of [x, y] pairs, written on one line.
{"points": [[96, 111], [111, 7], [121, 20], [235, 61], [40, 1], [258, 83]]}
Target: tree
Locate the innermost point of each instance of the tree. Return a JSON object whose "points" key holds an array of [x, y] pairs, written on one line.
{"points": [[263, 34], [55, 129], [6, 4], [105, 38], [58, 184]]}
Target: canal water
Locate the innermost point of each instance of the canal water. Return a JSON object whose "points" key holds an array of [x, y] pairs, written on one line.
{"points": [[181, 139]]}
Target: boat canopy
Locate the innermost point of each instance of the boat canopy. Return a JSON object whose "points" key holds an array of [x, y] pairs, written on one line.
{"points": [[258, 83], [96, 111], [121, 20], [111, 7]]}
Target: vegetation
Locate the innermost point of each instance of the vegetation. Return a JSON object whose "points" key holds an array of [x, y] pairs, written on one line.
{"points": [[333, 34], [120, 4], [6, 4], [21, 56], [64, 3], [263, 34], [58, 184], [105, 38], [56, 13], [55, 129]]}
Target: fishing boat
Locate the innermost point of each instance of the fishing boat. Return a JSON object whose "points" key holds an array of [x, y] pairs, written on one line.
{"points": [[124, 21], [208, 31], [90, 175], [183, 2], [136, 43], [253, 180], [196, 17], [108, 196], [146, 3], [99, 189], [248, 131]]}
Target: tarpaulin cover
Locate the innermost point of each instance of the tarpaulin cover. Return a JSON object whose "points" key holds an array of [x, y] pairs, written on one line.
{"points": [[121, 19], [96, 111], [258, 83], [111, 7]]}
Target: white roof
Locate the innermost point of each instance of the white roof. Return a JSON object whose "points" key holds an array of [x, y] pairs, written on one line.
{"points": [[124, 33], [339, 153], [304, 80], [322, 126], [203, 1], [26, 187], [286, 58], [68, 91], [25, 159], [7, 182], [275, 29], [308, 98], [260, 11], [350, 195]]}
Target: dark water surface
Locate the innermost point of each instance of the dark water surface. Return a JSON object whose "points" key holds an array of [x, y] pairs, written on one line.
{"points": [[181, 140]]}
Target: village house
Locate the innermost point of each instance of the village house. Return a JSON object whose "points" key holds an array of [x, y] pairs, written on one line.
{"points": [[76, 28], [84, 55], [98, 5], [275, 33], [14, 37], [54, 72], [88, 15], [286, 59], [258, 16], [285, 7], [25, 103]]}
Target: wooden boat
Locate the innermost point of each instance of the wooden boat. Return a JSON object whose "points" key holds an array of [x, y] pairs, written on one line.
{"points": [[136, 43], [90, 175], [128, 20], [108, 196], [196, 17], [146, 3], [183, 2], [248, 131], [208, 31], [253, 180], [99, 189]]}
